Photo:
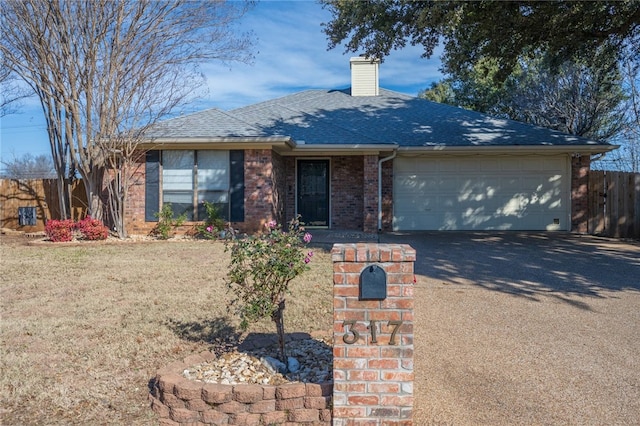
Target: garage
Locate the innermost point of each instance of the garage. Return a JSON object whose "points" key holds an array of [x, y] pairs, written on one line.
{"points": [[482, 192]]}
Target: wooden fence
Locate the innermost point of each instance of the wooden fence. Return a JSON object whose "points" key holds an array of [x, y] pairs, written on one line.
{"points": [[614, 204], [36, 199]]}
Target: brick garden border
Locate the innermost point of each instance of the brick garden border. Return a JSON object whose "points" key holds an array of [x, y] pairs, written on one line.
{"points": [[181, 401]]}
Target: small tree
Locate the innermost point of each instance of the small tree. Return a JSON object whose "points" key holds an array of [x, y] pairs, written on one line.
{"points": [[105, 71], [29, 166], [262, 266]]}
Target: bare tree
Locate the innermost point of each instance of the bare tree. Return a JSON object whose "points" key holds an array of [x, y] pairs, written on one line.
{"points": [[106, 70], [627, 157], [10, 91], [575, 98], [631, 132], [29, 166]]}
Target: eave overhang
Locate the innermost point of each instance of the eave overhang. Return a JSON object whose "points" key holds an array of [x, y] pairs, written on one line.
{"points": [[272, 142], [286, 146], [511, 149], [340, 149]]}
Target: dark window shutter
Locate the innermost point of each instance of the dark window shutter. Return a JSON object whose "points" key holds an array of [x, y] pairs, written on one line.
{"points": [[152, 186], [236, 190]]}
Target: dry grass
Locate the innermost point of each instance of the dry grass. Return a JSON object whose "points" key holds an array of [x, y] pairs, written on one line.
{"points": [[85, 327]]}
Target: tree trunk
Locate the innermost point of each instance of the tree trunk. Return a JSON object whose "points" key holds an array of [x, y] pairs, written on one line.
{"points": [[278, 318], [94, 187], [64, 197]]}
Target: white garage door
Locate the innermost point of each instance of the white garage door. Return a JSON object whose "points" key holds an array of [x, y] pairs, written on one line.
{"points": [[481, 193]]}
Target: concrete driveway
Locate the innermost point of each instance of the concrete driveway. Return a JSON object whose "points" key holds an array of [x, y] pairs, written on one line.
{"points": [[523, 328]]}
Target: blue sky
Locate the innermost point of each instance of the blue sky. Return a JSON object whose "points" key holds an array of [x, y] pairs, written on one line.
{"points": [[291, 55]]}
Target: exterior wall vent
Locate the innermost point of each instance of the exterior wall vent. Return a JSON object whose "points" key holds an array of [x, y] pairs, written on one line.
{"points": [[364, 76]]}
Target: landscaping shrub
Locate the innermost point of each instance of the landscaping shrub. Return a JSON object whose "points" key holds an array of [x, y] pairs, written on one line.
{"points": [[262, 266], [167, 223], [59, 231], [92, 229], [213, 224]]}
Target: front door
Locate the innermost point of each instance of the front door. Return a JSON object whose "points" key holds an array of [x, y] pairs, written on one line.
{"points": [[313, 192]]}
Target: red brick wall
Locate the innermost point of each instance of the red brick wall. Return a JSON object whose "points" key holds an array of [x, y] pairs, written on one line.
{"points": [[373, 380], [264, 183], [134, 205], [279, 188], [353, 179], [387, 196], [580, 166], [270, 182], [347, 197], [370, 190], [259, 191]]}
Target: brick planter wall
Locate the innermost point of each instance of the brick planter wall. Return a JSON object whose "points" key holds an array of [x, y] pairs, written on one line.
{"points": [[373, 372], [180, 401]]}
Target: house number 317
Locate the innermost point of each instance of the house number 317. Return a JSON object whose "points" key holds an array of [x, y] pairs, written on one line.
{"points": [[351, 335]]}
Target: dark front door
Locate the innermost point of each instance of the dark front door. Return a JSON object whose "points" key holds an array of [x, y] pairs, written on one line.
{"points": [[313, 192]]}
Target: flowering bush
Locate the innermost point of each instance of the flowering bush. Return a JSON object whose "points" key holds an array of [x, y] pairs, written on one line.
{"points": [[92, 229], [262, 266], [64, 230], [213, 224], [59, 231]]}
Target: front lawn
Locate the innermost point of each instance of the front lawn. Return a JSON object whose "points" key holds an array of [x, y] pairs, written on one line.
{"points": [[86, 326]]}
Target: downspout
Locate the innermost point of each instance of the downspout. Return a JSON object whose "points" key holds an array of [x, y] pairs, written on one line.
{"points": [[391, 157]]}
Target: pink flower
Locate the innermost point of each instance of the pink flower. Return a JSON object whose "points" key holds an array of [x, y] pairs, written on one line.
{"points": [[271, 224], [209, 228], [310, 254], [307, 260], [307, 237]]}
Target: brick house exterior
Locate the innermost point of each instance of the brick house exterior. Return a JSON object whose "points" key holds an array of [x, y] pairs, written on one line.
{"points": [[270, 193], [349, 160]]}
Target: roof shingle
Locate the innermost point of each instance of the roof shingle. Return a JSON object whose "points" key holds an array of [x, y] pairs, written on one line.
{"points": [[326, 117]]}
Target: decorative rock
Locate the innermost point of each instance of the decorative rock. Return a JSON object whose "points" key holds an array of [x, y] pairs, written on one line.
{"points": [[293, 365], [314, 359], [274, 365]]}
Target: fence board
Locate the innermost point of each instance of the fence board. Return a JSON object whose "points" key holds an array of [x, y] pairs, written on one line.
{"points": [[39, 193], [597, 218], [614, 204]]}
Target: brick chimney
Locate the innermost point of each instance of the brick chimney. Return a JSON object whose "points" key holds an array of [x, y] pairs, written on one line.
{"points": [[364, 76]]}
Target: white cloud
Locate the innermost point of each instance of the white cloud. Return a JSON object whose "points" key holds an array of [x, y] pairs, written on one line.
{"points": [[291, 56]]}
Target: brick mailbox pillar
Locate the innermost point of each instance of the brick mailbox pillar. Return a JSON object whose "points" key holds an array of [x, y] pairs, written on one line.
{"points": [[373, 334]]}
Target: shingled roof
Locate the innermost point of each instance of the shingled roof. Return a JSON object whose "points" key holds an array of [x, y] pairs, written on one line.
{"points": [[334, 117]]}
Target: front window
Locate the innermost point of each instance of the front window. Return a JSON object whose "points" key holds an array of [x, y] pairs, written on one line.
{"points": [[191, 177]]}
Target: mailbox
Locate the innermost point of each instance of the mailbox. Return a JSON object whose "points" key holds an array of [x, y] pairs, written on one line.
{"points": [[373, 283]]}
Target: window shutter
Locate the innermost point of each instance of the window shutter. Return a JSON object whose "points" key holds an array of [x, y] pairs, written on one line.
{"points": [[236, 190], [152, 186]]}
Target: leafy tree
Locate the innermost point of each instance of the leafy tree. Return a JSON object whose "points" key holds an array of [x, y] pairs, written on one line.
{"points": [[476, 89], [29, 166], [105, 70], [504, 31], [576, 97], [441, 92]]}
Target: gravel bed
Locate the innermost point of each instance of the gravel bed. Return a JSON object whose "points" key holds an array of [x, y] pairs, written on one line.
{"points": [[234, 367]]}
